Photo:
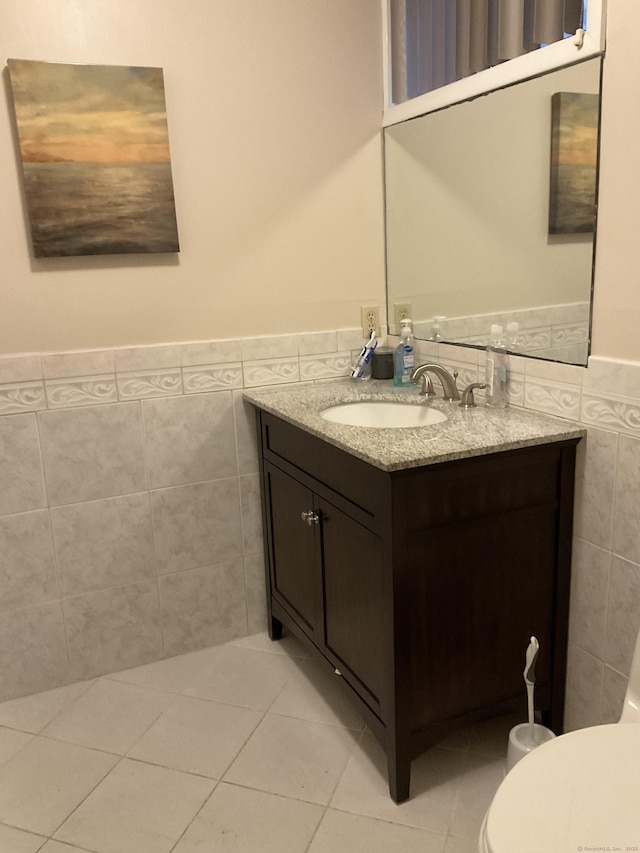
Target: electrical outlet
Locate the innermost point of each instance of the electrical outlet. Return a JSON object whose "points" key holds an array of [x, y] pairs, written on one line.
{"points": [[401, 311], [370, 315]]}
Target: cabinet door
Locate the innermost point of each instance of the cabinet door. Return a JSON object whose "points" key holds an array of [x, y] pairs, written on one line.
{"points": [[354, 602], [294, 552], [481, 590]]}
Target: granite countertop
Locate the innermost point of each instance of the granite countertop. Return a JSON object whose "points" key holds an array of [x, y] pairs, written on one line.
{"points": [[465, 433]]}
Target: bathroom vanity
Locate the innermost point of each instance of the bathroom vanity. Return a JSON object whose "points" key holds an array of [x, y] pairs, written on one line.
{"points": [[418, 562]]}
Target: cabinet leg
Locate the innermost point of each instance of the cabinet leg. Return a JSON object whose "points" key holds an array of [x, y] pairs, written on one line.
{"points": [[275, 628], [399, 778]]}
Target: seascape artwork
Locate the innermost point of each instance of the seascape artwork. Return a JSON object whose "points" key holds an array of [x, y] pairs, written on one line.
{"points": [[94, 145], [574, 152]]}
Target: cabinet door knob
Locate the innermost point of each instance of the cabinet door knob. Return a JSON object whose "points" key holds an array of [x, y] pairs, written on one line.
{"points": [[311, 517]]}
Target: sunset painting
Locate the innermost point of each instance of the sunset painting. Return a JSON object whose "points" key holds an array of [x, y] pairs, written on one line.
{"points": [[95, 156], [574, 152]]}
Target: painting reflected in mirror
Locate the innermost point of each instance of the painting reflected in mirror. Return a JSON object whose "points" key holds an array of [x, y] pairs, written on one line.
{"points": [[574, 154], [468, 201]]}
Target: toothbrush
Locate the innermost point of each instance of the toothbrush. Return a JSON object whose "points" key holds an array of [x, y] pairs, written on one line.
{"points": [[365, 356], [529, 679]]}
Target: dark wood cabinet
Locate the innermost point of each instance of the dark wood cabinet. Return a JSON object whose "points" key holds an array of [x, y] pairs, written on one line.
{"points": [[421, 587]]}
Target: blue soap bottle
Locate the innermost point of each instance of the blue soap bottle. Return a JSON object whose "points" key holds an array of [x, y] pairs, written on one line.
{"points": [[403, 356]]}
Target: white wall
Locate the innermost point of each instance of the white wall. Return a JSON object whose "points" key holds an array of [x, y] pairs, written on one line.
{"points": [[616, 318], [274, 115]]}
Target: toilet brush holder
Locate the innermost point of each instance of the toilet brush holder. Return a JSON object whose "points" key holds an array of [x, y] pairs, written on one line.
{"points": [[521, 743]]}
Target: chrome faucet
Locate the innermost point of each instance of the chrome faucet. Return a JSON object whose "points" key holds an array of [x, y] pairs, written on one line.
{"points": [[448, 382]]}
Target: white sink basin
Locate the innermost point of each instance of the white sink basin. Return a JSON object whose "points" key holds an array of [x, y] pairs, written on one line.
{"points": [[383, 415]]}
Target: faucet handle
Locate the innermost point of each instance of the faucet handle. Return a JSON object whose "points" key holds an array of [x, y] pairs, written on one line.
{"points": [[467, 401]]}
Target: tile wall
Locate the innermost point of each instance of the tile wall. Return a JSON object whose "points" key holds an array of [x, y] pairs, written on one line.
{"points": [[129, 503], [130, 524]]}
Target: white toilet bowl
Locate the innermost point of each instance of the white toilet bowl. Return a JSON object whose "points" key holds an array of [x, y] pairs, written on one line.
{"points": [[579, 791], [576, 792]]}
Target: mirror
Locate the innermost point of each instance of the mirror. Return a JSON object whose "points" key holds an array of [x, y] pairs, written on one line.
{"points": [[468, 218]]}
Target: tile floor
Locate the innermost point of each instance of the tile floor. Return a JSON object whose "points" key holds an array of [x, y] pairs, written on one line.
{"points": [[247, 747]]}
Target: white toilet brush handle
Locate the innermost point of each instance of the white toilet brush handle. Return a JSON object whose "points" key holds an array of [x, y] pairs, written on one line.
{"points": [[529, 679], [531, 714]]}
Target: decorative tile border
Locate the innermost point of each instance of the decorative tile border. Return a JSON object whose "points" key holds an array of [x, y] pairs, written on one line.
{"points": [[81, 391], [212, 377], [554, 398], [93, 377], [612, 398], [534, 339], [276, 371], [577, 333], [153, 383], [22, 397], [325, 366], [622, 415], [516, 389]]}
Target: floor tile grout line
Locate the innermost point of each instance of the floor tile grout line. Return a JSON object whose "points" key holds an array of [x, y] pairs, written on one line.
{"points": [[246, 741], [247, 787], [394, 823], [123, 758], [334, 725], [84, 799], [89, 684], [71, 846], [317, 829], [186, 695], [126, 755], [107, 751], [260, 791], [44, 838], [151, 725], [56, 739], [112, 676], [195, 817]]}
